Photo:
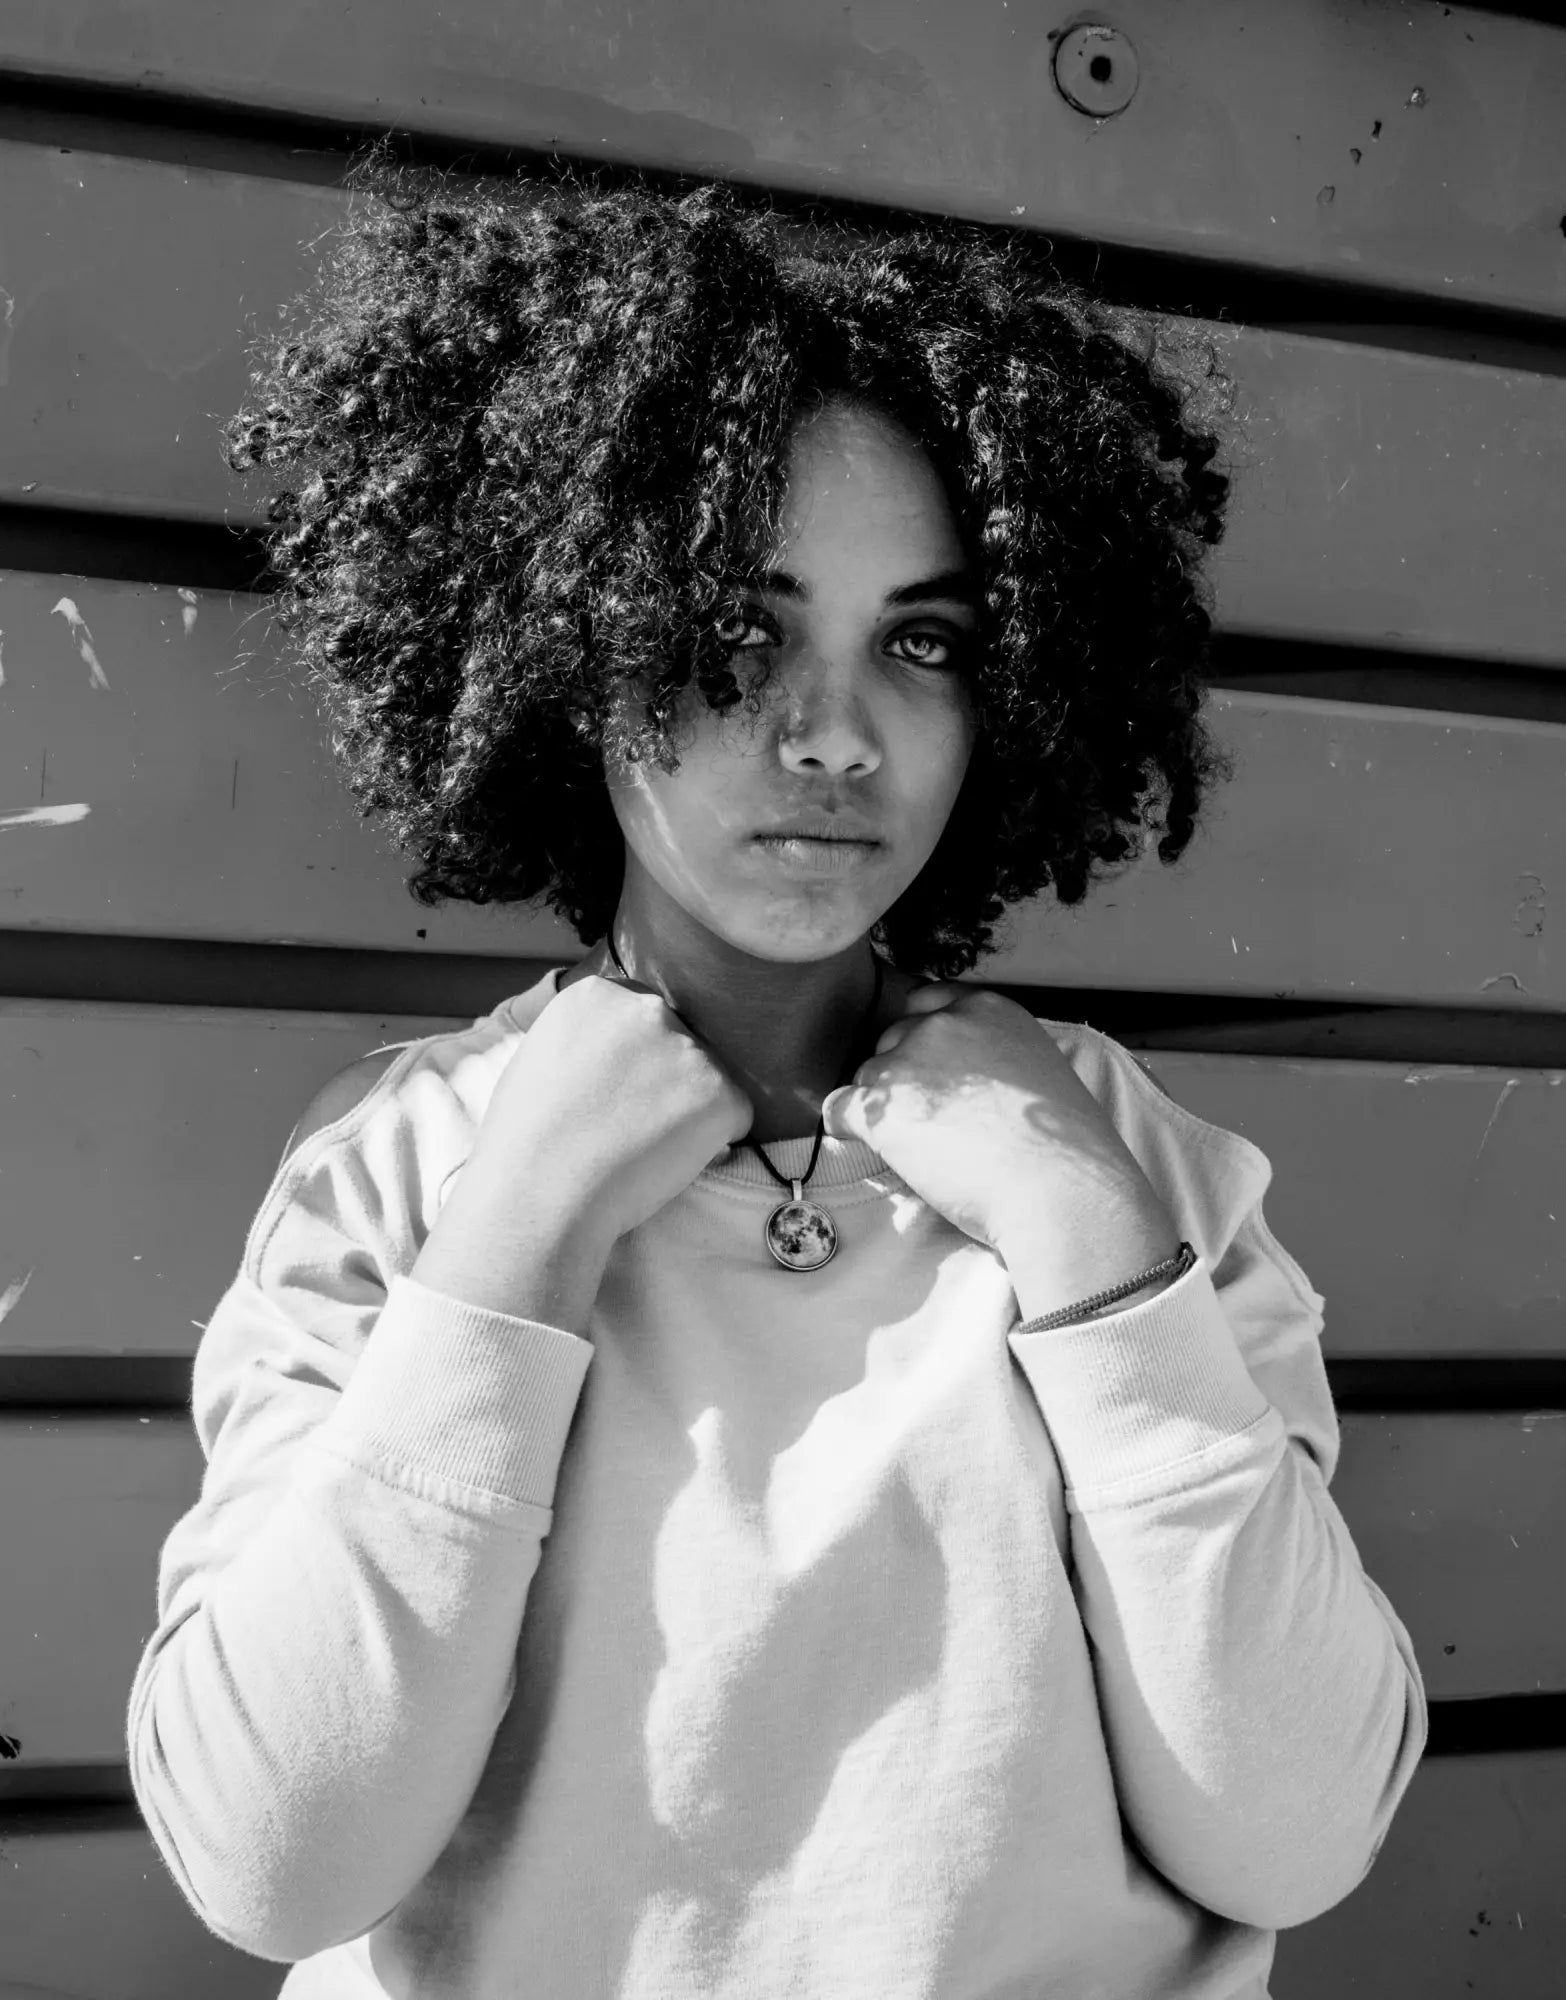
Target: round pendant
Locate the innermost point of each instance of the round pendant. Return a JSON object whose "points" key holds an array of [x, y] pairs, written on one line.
{"points": [[801, 1235]]}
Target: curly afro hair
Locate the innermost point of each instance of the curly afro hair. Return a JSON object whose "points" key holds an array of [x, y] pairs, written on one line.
{"points": [[539, 429]]}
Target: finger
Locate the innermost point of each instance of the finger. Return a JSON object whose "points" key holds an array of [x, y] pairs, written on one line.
{"points": [[890, 1037], [923, 1000], [930, 998], [842, 1113]]}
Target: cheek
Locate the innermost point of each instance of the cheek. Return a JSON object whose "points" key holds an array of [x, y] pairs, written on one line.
{"points": [[941, 751], [669, 819]]}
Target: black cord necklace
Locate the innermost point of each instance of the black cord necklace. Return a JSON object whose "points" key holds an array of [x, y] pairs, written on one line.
{"points": [[800, 1232]]}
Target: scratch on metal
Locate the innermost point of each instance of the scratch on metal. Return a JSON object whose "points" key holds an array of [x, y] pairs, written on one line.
{"points": [[1507, 1088], [83, 638], [188, 610]]}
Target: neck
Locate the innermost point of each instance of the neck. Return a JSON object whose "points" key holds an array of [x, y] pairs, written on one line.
{"points": [[783, 1030]]}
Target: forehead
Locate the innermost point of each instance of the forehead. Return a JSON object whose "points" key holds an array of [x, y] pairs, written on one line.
{"points": [[862, 490]]}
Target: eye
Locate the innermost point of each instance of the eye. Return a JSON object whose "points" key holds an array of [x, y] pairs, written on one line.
{"points": [[931, 649], [733, 630]]}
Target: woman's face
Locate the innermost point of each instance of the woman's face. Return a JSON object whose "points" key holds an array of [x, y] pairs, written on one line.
{"points": [[865, 728]]}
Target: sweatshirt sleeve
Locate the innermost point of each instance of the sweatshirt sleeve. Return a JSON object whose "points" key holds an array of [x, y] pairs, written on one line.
{"points": [[338, 1613], [1261, 1702]]}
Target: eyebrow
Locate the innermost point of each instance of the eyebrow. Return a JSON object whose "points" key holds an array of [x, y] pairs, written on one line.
{"points": [[958, 585]]}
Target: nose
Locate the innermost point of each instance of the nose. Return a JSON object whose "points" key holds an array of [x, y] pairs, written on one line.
{"points": [[826, 726]]}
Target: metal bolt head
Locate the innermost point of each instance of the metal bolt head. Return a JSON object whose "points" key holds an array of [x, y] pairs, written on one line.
{"points": [[1095, 69]]}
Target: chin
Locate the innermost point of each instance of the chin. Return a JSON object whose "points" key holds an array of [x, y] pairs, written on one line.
{"points": [[797, 938]]}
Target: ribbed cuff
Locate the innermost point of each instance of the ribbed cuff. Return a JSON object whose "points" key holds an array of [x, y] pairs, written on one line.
{"points": [[1132, 1398], [463, 1393]]}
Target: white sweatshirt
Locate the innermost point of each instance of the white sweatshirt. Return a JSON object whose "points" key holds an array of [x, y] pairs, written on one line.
{"points": [[795, 1634]]}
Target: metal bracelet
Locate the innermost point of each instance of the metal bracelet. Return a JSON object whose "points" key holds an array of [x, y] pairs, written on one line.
{"points": [[1176, 1266]]}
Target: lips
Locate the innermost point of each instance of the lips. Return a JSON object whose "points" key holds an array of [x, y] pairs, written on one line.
{"points": [[804, 853], [851, 831]]}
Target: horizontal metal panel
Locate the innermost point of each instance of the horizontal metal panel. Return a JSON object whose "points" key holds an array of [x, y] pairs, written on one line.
{"points": [[161, 776], [1427, 1205], [1372, 853], [135, 1147], [1422, 148], [1388, 498], [97, 1913], [1464, 1896]]}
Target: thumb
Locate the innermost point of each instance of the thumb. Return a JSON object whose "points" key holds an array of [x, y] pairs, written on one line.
{"points": [[842, 1113]]}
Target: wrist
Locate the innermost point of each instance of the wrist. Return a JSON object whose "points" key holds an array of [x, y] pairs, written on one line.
{"points": [[1051, 1269], [527, 1257]]}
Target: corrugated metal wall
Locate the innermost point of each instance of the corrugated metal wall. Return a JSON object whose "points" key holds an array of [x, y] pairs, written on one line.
{"points": [[1366, 206]]}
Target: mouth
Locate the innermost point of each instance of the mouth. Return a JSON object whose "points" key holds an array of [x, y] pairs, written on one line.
{"points": [[823, 839], [816, 852], [846, 831]]}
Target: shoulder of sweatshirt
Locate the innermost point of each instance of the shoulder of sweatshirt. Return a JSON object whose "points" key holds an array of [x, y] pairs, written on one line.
{"points": [[367, 1163]]}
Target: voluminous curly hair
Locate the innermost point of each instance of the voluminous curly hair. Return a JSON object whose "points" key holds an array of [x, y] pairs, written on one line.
{"points": [[538, 431]]}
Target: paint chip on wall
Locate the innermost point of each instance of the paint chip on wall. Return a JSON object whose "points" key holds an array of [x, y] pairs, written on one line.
{"points": [[83, 638], [44, 815], [13, 1292]]}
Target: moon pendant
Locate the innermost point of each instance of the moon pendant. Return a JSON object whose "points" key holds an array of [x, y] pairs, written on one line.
{"points": [[801, 1235]]}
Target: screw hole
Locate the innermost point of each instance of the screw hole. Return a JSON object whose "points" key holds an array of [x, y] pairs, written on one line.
{"points": [[1101, 69]]}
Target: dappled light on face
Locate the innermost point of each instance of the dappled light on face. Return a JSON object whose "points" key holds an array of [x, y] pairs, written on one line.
{"points": [[658, 842]]}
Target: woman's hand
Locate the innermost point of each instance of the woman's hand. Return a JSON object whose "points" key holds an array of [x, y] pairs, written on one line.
{"points": [[618, 1102], [974, 1105], [609, 1107]]}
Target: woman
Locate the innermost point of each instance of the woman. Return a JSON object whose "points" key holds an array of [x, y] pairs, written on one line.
{"points": [[756, 1468]]}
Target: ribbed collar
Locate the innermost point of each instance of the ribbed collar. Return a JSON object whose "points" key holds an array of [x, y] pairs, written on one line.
{"points": [[842, 1162]]}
